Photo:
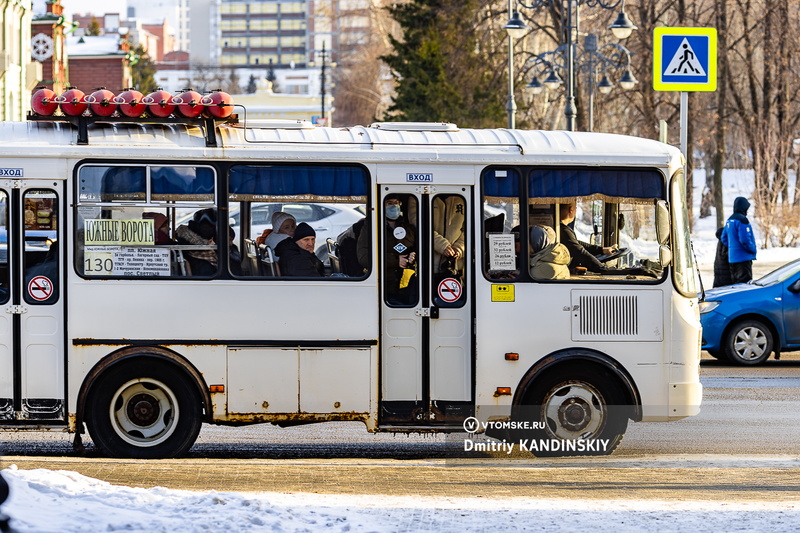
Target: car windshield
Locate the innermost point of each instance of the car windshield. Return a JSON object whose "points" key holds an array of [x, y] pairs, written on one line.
{"points": [[780, 274]]}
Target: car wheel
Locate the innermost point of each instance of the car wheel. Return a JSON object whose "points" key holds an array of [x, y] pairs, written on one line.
{"points": [[748, 343], [144, 410], [571, 405]]}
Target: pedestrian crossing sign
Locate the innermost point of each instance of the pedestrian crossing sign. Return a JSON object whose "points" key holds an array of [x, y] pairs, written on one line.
{"points": [[685, 59]]}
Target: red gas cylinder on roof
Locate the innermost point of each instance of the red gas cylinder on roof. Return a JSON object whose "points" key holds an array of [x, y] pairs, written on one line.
{"points": [[189, 103], [130, 103], [159, 103], [101, 102], [43, 102], [218, 104], [72, 102]]}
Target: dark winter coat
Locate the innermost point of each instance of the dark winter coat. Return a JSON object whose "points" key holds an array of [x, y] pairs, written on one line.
{"points": [[722, 270], [294, 261], [581, 253], [738, 235]]}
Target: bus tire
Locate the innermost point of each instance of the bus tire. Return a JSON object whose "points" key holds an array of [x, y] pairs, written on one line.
{"points": [[144, 410], [573, 404]]}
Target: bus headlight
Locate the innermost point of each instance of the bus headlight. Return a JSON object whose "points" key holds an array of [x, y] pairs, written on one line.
{"points": [[707, 307]]}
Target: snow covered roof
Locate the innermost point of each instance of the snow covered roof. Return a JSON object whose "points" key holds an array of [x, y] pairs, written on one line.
{"points": [[102, 45]]}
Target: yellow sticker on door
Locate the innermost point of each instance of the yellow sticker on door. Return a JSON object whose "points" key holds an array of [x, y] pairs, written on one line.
{"points": [[502, 293]]}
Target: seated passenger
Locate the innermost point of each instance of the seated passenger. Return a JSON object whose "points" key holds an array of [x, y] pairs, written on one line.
{"points": [[201, 230], [297, 254], [160, 226], [348, 249], [582, 253], [283, 226], [550, 258]]}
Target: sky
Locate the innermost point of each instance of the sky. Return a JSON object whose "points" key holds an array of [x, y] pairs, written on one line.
{"points": [[44, 501], [83, 7]]}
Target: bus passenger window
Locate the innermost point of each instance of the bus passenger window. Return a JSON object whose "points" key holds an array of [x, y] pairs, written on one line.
{"points": [[401, 254], [449, 225], [40, 259], [4, 273], [330, 200], [605, 232], [147, 221], [502, 238]]}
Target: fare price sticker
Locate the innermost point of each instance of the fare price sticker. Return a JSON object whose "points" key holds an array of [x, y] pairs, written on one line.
{"points": [[502, 255], [126, 261]]}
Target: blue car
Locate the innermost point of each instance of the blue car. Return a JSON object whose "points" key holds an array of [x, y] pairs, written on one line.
{"points": [[745, 323]]}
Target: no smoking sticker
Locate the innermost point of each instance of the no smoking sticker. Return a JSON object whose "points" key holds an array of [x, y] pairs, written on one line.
{"points": [[449, 290], [40, 288]]}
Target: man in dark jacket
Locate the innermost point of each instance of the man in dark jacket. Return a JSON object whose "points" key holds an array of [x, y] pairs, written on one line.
{"points": [[297, 256], [738, 237], [582, 253], [722, 269]]}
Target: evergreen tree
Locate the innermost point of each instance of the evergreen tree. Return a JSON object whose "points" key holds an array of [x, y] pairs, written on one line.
{"points": [[441, 76], [143, 71], [252, 87], [94, 28]]}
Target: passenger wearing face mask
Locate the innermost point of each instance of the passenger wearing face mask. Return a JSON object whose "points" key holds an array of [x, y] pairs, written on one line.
{"points": [[399, 252]]}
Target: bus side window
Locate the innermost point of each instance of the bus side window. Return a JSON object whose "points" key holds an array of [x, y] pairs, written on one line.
{"points": [[502, 238]]}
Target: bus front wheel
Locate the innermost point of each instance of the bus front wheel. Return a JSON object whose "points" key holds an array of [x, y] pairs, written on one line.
{"points": [[574, 411], [144, 410]]}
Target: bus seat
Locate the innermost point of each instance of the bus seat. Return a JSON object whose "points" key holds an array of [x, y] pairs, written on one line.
{"points": [[268, 260], [252, 260], [333, 256]]}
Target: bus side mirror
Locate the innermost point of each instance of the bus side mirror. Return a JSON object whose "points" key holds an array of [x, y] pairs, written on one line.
{"points": [[662, 222], [664, 256]]}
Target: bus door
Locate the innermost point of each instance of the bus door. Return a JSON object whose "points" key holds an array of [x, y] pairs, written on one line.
{"points": [[426, 329], [32, 382]]}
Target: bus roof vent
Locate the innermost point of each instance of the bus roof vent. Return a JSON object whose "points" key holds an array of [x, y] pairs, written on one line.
{"points": [[414, 126], [275, 124]]}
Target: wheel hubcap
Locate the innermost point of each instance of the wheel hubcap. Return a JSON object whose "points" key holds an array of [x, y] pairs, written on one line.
{"points": [[750, 343], [574, 411], [144, 412]]}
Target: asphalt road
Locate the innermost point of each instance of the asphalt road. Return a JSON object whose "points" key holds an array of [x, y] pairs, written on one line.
{"points": [[742, 447]]}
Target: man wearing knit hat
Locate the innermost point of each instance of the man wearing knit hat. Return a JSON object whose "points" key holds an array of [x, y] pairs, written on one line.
{"points": [[297, 256]]}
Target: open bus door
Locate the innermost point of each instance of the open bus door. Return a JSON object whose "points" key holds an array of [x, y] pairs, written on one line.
{"points": [[32, 381], [426, 326]]}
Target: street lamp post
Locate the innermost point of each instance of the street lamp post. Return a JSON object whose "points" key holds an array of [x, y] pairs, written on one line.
{"points": [[516, 28], [323, 54], [622, 28], [589, 59]]}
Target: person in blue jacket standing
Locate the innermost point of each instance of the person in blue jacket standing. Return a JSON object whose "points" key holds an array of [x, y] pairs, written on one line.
{"points": [[738, 237]]}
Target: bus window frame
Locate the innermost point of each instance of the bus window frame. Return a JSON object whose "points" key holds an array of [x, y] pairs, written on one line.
{"points": [[368, 208], [148, 204], [524, 275]]}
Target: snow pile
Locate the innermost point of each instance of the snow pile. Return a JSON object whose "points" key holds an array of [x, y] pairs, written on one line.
{"points": [[46, 501]]}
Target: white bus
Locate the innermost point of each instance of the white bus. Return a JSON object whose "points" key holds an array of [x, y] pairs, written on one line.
{"points": [[120, 322]]}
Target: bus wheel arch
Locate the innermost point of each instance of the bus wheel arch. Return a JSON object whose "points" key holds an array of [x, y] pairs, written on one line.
{"points": [[143, 402], [575, 395]]}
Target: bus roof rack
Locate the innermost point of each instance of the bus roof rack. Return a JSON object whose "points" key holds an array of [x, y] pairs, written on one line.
{"points": [[414, 126], [82, 122], [275, 124]]}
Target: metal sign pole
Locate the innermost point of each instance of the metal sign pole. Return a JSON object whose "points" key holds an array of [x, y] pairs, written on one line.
{"points": [[685, 126]]}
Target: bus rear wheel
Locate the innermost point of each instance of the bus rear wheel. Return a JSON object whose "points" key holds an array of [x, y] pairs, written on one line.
{"points": [[574, 411], [144, 410]]}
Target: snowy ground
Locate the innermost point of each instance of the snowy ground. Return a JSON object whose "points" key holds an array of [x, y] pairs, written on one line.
{"points": [[44, 501]]}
